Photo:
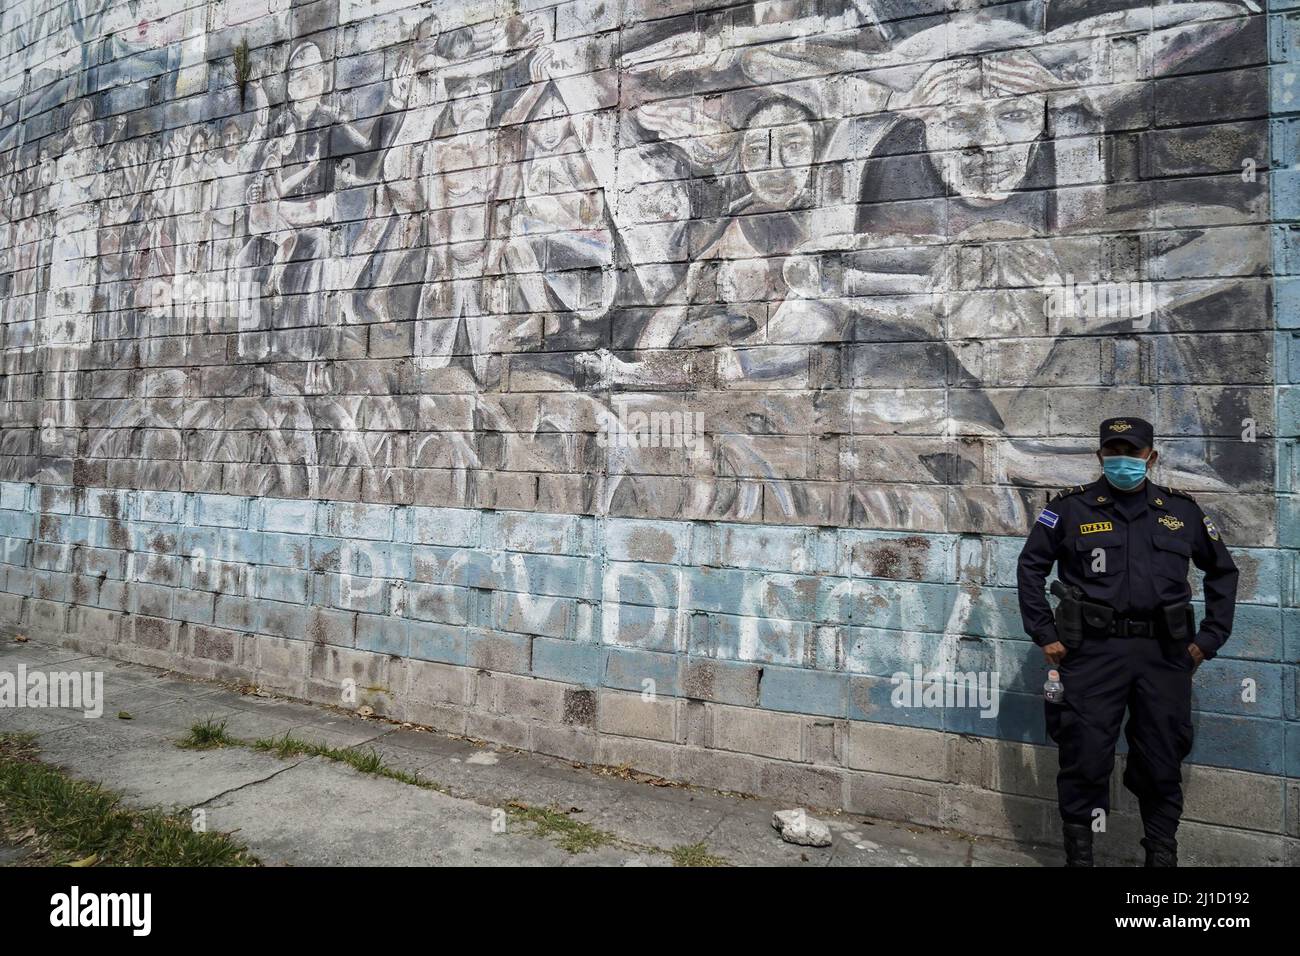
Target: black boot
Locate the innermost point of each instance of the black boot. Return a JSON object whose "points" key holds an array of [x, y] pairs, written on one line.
{"points": [[1160, 853], [1078, 844]]}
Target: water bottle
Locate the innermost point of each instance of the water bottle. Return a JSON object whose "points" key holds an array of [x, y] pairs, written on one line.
{"points": [[1053, 689]]}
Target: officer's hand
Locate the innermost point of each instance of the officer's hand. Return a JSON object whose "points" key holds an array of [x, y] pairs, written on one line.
{"points": [[1197, 655], [1055, 652]]}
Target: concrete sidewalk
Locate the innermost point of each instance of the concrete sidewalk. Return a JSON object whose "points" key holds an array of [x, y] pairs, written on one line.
{"points": [[314, 810]]}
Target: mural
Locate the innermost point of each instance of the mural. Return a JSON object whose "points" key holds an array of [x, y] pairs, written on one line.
{"points": [[895, 262]]}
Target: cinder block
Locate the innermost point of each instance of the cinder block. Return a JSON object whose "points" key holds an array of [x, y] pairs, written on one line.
{"points": [[1203, 845], [14, 495], [47, 616], [816, 787], [152, 633], [383, 634], [454, 527], [212, 644], [498, 651], [737, 773], [640, 671], [224, 511], [11, 608], [499, 729], [430, 683], [165, 506], [279, 619], [282, 584], [1000, 814], [95, 624], [724, 682], [629, 715], [438, 642], [279, 661], [542, 533], [528, 698], [804, 691], [289, 515], [196, 607], [1234, 799], [648, 756], [350, 520], [896, 798], [570, 743], [570, 661], [326, 626], [750, 731], [656, 542], [335, 672]]}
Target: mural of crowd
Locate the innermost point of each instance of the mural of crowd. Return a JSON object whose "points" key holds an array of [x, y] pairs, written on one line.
{"points": [[424, 253]]}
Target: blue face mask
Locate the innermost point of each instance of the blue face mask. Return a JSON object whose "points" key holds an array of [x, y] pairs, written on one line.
{"points": [[1123, 472]]}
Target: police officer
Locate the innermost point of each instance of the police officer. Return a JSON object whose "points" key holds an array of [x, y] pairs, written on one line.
{"points": [[1123, 636]]}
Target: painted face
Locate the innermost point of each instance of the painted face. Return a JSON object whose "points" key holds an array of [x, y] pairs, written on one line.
{"points": [[306, 78], [230, 138], [469, 108], [549, 125], [984, 147], [776, 154], [81, 128]]}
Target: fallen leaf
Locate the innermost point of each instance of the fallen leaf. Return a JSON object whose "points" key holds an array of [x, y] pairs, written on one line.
{"points": [[20, 638], [123, 715], [86, 860]]}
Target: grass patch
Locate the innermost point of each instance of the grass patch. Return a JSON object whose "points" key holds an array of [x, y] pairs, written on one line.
{"points": [[565, 832], [697, 854], [287, 746], [63, 821], [208, 735], [365, 761]]}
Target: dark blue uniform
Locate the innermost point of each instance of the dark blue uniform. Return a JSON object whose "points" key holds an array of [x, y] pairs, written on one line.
{"points": [[1129, 552]]}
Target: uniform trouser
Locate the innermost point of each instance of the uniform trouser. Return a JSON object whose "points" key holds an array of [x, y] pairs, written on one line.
{"points": [[1103, 677]]}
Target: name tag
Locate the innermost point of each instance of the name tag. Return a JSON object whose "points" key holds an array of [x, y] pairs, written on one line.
{"points": [[1096, 526]]}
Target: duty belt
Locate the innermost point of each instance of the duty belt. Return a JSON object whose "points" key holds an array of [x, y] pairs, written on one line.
{"points": [[1135, 627]]}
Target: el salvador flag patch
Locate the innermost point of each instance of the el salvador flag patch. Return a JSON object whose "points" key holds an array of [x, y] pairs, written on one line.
{"points": [[1049, 518]]}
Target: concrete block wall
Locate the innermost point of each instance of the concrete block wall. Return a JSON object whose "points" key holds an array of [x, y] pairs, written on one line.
{"points": [[667, 646], [650, 383]]}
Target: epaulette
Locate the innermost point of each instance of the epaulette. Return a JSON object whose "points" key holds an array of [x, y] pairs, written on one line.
{"points": [[1177, 491], [1065, 492]]}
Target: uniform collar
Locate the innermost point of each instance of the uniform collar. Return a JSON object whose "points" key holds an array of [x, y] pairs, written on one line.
{"points": [[1157, 497], [1099, 493]]}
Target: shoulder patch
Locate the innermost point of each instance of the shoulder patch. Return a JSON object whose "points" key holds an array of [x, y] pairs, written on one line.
{"points": [[1065, 492], [1179, 492], [1210, 529], [1048, 518]]}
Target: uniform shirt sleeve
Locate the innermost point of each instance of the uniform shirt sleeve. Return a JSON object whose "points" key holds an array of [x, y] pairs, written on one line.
{"points": [[1211, 555], [1036, 561]]}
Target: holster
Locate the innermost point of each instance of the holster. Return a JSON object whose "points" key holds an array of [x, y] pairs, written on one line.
{"points": [[1069, 623], [1099, 617], [1068, 615], [1180, 621], [1075, 616]]}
